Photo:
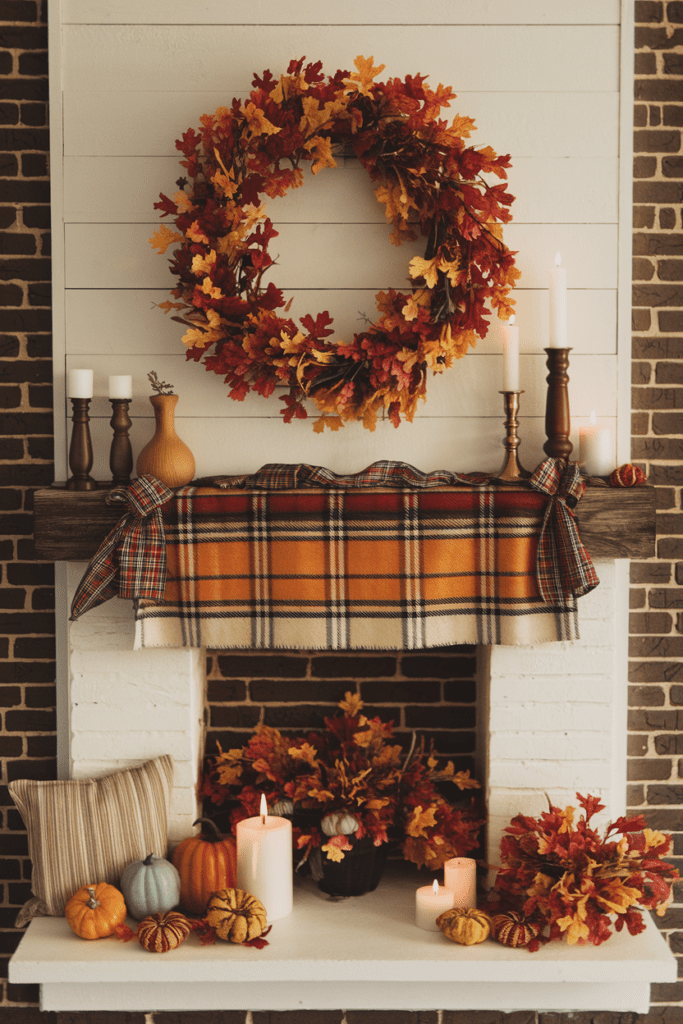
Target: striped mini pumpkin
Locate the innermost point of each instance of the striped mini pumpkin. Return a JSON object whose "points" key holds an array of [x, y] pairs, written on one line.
{"points": [[514, 930], [236, 915], [160, 932]]}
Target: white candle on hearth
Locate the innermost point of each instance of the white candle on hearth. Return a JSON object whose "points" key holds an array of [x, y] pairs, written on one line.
{"points": [[264, 861], [460, 876], [558, 305], [596, 449], [121, 386], [79, 384], [430, 901], [510, 333]]}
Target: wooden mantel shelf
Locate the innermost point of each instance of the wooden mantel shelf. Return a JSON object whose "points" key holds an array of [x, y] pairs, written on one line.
{"points": [[613, 522]]}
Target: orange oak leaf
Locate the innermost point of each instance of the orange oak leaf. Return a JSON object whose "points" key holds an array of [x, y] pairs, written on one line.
{"points": [[164, 237], [361, 80], [257, 121], [321, 149], [420, 820]]}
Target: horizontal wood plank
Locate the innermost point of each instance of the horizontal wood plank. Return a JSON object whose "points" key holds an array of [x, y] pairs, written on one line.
{"points": [[521, 58], [353, 12], [129, 322], [99, 122], [613, 523], [339, 255]]}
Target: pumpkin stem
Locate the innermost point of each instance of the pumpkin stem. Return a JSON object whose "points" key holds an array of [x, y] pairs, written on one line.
{"points": [[92, 902], [148, 860], [213, 836]]}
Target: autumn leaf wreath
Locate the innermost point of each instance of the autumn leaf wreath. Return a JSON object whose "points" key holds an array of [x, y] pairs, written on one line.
{"points": [[429, 182]]}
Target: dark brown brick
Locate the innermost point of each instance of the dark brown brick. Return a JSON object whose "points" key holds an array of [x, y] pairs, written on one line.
{"points": [[656, 398], [665, 597], [329, 666], [665, 820], [662, 141], [655, 671], [644, 166], [646, 696], [655, 117], [670, 321], [301, 716], [667, 219], [669, 744], [649, 719], [646, 622], [637, 745], [635, 795], [298, 1017], [657, 295], [656, 647], [676, 695], [657, 192], [665, 498], [673, 115], [640, 423], [669, 547], [672, 166], [650, 572], [385, 692], [426, 666], [657, 348], [322, 692], [648, 11], [669, 372], [659, 448], [641, 373], [643, 216], [645, 64], [658, 39], [195, 1017], [240, 716], [639, 121], [641, 768], [440, 718]]}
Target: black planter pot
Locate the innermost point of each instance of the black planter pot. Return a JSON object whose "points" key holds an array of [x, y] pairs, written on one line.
{"points": [[359, 872]]}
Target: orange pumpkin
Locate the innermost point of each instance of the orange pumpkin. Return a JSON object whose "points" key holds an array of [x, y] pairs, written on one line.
{"points": [[95, 911], [206, 863], [160, 932]]}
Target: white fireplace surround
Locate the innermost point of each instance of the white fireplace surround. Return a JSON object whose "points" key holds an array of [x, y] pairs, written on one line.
{"points": [[552, 721]]}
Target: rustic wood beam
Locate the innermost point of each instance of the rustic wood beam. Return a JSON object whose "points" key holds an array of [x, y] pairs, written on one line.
{"points": [[613, 522]]}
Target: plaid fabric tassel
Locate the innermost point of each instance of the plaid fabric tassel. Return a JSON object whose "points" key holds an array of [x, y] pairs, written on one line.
{"points": [[131, 561], [563, 566]]}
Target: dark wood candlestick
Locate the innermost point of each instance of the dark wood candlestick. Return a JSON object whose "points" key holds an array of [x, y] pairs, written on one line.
{"points": [[511, 472], [557, 420], [121, 454], [80, 449]]}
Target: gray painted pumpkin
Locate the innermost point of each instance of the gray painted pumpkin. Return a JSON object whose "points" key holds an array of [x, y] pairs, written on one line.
{"points": [[150, 886]]}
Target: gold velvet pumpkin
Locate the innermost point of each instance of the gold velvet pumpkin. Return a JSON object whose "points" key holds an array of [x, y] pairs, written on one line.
{"points": [[465, 925], [160, 932], [512, 929], [236, 915]]}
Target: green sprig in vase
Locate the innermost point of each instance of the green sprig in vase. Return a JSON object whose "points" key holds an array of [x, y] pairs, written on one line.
{"points": [[166, 457]]}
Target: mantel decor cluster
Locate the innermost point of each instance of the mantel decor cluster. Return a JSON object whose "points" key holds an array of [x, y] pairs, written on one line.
{"points": [[428, 181]]}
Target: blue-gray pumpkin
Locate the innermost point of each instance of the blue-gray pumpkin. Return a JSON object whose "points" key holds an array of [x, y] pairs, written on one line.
{"points": [[150, 886]]}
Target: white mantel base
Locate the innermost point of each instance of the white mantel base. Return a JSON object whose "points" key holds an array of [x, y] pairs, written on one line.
{"points": [[358, 953]]}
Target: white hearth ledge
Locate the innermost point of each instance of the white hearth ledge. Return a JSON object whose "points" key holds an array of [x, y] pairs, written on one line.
{"points": [[359, 953]]}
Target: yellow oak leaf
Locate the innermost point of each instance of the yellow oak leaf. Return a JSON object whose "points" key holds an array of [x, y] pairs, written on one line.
{"points": [[164, 237], [195, 233], [182, 201], [420, 820], [333, 422], [653, 838], [210, 289], [257, 122], [462, 126], [419, 267], [333, 852], [351, 704], [361, 80], [321, 150], [203, 264], [303, 753], [576, 929]]}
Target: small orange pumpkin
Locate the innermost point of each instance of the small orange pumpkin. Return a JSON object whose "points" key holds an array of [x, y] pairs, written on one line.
{"points": [[160, 932], [512, 929], [95, 911], [206, 863]]}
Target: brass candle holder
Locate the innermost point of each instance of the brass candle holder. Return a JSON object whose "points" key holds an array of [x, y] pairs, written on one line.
{"points": [[121, 453], [511, 472], [557, 419], [80, 449]]}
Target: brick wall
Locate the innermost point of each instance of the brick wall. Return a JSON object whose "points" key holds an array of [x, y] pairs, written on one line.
{"points": [[240, 688], [655, 741]]}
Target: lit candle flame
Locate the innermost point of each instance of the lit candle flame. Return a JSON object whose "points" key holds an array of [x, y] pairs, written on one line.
{"points": [[435, 887], [263, 810], [512, 320]]}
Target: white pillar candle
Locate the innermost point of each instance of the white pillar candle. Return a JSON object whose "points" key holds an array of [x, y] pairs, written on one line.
{"points": [[79, 384], [430, 901], [121, 387], [460, 876], [510, 335], [558, 305], [264, 861], [596, 449]]}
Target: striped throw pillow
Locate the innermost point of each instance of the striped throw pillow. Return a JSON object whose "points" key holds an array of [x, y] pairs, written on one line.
{"points": [[83, 831]]}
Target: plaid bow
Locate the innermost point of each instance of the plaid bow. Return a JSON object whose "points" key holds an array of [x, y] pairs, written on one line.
{"points": [[131, 561], [563, 566]]}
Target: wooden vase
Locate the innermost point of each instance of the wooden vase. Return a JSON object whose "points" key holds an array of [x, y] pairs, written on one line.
{"points": [[166, 457]]}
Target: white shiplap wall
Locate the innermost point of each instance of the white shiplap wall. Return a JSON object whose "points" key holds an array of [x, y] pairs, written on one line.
{"points": [[541, 78]]}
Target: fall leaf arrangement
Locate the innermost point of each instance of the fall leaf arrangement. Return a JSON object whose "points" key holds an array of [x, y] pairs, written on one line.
{"points": [[429, 182], [348, 782], [574, 882]]}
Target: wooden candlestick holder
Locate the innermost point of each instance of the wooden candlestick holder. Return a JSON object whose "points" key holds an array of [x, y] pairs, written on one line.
{"points": [[80, 449], [511, 472], [557, 419], [121, 453]]}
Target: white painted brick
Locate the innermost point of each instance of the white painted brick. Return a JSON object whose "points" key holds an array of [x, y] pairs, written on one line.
{"points": [[550, 717], [597, 633], [184, 805], [546, 746], [92, 746], [551, 689], [102, 634], [551, 659], [129, 693], [584, 776], [99, 718], [171, 671], [508, 802], [179, 828]]}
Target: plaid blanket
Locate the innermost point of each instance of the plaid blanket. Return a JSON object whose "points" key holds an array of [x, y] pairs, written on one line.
{"points": [[425, 562]]}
